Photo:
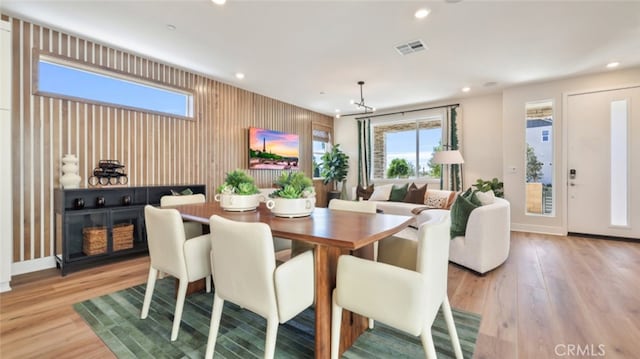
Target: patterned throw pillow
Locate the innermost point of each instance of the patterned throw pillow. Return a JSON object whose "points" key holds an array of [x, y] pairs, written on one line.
{"points": [[436, 202]]}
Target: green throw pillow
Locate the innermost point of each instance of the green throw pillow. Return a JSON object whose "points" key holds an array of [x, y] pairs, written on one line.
{"points": [[471, 196], [460, 212], [398, 193]]}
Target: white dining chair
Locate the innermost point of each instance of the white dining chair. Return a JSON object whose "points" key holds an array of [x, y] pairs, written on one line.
{"points": [[171, 253], [191, 229], [353, 206], [404, 299], [244, 271]]}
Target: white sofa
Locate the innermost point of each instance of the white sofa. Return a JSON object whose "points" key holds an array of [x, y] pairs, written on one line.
{"points": [[484, 246], [403, 208]]}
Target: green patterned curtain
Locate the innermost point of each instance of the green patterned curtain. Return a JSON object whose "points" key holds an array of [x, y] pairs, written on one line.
{"points": [[364, 152]]}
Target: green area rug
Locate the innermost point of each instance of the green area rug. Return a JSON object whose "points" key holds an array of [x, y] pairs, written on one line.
{"points": [[115, 318]]}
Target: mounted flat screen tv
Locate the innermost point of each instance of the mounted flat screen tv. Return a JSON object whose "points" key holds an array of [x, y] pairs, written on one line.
{"points": [[273, 150]]}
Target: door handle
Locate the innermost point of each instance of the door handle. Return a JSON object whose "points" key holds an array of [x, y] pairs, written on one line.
{"points": [[571, 184]]}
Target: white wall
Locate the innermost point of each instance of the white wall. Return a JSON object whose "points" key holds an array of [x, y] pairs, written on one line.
{"points": [[6, 211], [513, 132], [493, 140], [481, 136]]}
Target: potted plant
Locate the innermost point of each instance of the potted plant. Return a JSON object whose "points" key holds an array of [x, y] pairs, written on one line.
{"points": [[495, 185], [295, 196], [334, 169], [238, 192]]}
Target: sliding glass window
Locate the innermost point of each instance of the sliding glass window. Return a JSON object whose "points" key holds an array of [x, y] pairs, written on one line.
{"points": [[405, 148]]}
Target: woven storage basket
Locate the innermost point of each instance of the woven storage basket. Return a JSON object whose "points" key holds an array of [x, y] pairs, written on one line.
{"points": [[122, 236], [94, 240]]}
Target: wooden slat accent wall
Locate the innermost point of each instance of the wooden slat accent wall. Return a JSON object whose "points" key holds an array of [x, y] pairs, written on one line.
{"points": [[157, 150]]}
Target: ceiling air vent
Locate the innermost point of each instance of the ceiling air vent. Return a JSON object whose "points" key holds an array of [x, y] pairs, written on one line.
{"points": [[411, 47]]}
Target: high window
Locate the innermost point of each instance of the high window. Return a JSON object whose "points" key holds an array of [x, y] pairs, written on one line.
{"points": [[321, 145], [539, 158], [70, 80], [406, 142]]}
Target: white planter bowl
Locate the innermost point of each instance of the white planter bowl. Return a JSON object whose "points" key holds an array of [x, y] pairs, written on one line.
{"points": [[291, 207], [237, 202]]}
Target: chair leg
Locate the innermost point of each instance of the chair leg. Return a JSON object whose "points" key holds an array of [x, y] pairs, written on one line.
{"points": [[336, 323], [427, 344], [151, 284], [272, 334], [177, 316], [207, 282], [371, 323], [451, 326], [216, 314]]}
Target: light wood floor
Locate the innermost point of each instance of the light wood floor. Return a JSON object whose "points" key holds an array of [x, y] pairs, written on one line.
{"points": [[552, 293]]}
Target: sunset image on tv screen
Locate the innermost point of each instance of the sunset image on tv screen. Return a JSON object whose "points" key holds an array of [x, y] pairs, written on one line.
{"points": [[272, 150]]}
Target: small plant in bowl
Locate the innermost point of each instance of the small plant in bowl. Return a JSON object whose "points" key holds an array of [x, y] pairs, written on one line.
{"points": [[293, 185], [295, 196], [238, 182], [238, 192]]}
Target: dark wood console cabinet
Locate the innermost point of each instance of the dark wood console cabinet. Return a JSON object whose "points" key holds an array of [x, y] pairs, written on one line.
{"points": [[103, 208]]}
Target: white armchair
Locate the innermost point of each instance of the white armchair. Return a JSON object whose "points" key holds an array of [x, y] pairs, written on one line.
{"points": [[486, 242], [191, 229], [404, 299], [170, 252], [244, 272]]}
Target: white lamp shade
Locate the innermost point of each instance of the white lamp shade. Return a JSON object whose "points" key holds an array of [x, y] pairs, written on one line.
{"points": [[448, 157]]}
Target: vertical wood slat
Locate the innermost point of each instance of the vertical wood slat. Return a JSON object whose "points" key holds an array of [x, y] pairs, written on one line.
{"points": [[155, 149]]}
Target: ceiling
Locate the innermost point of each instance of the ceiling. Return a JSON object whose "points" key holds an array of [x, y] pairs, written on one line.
{"points": [[313, 53]]}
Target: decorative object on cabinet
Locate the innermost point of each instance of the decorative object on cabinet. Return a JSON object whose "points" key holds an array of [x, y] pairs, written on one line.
{"points": [[108, 172], [70, 177], [95, 226]]}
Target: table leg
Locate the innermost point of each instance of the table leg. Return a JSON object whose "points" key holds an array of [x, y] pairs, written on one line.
{"points": [[326, 263], [324, 286]]}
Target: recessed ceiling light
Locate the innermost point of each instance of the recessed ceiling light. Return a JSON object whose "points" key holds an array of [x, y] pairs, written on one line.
{"points": [[337, 115], [239, 75], [171, 27], [337, 110], [422, 13], [219, 2], [466, 89], [612, 65]]}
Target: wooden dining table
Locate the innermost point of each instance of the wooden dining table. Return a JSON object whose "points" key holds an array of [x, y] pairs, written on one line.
{"points": [[333, 233]]}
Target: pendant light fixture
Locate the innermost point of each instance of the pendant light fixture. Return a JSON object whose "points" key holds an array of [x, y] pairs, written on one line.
{"points": [[361, 105]]}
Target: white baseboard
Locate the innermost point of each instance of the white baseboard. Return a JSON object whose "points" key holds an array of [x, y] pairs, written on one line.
{"points": [[522, 227], [33, 265], [5, 287]]}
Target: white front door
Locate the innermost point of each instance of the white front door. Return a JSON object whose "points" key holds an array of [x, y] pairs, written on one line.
{"points": [[604, 163]]}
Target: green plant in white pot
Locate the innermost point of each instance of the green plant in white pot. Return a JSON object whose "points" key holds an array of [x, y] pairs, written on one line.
{"points": [[295, 196], [238, 192], [334, 169]]}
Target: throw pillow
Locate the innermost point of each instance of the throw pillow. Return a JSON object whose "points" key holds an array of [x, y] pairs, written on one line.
{"points": [[437, 199], [460, 212], [436, 202], [486, 197], [398, 193], [471, 195], [381, 193], [415, 194], [364, 193]]}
